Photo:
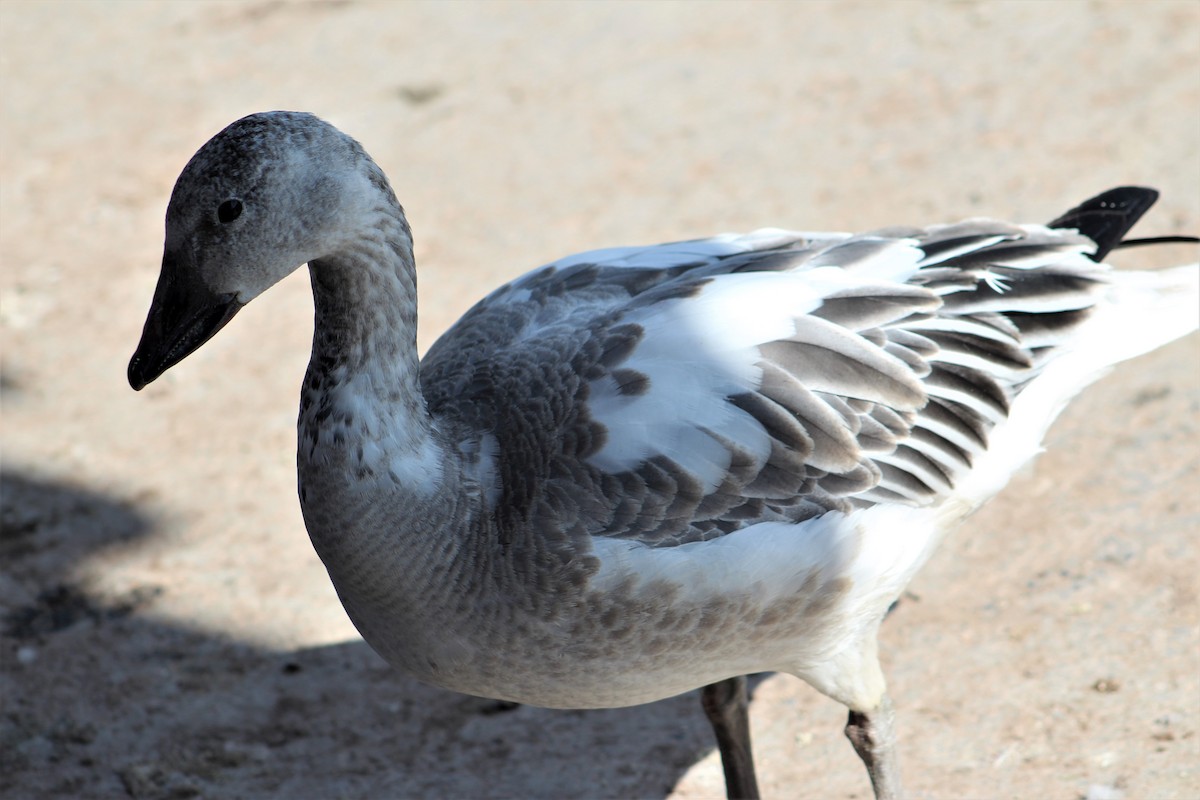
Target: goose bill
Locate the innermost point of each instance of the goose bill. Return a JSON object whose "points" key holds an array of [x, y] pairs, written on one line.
{"points": [[184, 314]]}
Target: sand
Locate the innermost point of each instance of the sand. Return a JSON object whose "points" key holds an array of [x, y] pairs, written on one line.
{"points": [[168, 631]]}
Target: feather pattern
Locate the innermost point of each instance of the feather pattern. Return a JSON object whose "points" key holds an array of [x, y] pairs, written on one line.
{"points": [[723, 378]]}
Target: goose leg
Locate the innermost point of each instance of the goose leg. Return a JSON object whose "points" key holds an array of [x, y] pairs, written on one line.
{"points": [[726, 703], [873, 735]]}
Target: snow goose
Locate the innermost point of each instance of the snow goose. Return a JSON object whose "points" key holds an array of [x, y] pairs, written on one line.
{"points": [[637, 471]]}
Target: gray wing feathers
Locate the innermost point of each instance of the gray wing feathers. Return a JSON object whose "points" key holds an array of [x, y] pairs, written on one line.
{"points": [[827, 358], [886, 391]]}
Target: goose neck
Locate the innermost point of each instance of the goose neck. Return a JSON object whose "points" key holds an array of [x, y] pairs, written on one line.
{"points": [[361, 399]]}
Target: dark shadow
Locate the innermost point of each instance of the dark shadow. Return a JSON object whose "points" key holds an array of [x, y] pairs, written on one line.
{"points": [[8, 384], [198, 715], [45, 526]]}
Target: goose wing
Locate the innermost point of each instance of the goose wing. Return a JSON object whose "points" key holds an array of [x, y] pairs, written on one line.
{"points": [[679, 392]]}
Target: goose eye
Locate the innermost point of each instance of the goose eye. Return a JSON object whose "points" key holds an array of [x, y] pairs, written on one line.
{"points": [[229, 210]]}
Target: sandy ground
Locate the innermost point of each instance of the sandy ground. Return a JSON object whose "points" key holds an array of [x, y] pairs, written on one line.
{"points": [[167, 630]]}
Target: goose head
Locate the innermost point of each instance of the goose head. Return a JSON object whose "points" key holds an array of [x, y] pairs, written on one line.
{"points": [[264, 196]]}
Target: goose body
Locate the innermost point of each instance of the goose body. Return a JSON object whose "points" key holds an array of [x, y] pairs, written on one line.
{"points": [[638, 471]]}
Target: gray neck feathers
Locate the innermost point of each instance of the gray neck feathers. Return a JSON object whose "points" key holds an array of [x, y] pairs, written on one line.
{"points": [[361, 403]]}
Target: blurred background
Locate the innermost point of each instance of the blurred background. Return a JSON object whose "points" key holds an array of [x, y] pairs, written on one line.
{"points": [[167, 631]]}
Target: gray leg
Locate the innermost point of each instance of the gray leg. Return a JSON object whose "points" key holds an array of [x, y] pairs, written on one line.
{"points": [[873, 735], [726, 703]]}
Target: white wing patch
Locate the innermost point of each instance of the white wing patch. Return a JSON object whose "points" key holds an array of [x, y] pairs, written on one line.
{"points": [[698, 351]]}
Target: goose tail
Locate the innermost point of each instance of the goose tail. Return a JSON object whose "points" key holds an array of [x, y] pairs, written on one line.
{"points": [[1148, 309], [1144, 309]]}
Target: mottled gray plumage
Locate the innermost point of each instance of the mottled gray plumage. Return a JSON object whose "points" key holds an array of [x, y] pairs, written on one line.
{"points": [[521, 369], [637, 471]]}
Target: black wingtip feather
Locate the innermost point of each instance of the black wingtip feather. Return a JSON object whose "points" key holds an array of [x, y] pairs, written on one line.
{"points": [[1107, 217]]}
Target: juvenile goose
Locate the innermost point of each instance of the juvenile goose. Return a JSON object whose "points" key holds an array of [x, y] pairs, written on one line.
{"points": [[637, 471]]}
